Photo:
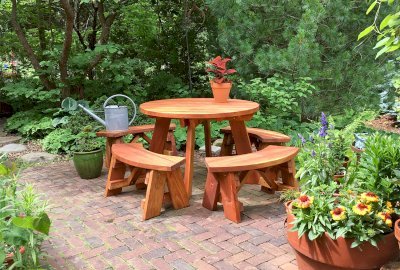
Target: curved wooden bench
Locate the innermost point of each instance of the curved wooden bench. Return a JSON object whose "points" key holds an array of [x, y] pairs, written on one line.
{"points": [[161, 170], [115, 137], [221, 181], [261, 138]]}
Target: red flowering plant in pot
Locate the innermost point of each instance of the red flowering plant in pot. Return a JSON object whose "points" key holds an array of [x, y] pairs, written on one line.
{"points": [[349, 230], [220, 85]]}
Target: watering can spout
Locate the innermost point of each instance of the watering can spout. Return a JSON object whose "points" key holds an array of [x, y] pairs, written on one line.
{"points": [[92, 114]]}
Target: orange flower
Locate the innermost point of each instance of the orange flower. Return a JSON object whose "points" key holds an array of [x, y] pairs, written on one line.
{"points": [[339, 213], [361, 209], [386, 217], [304, 201], [369, 197]]}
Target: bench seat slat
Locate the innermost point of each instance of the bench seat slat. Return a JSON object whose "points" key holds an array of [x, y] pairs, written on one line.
{"points": [[131, 130], [267, 157], [265, 136], [135, 155]]}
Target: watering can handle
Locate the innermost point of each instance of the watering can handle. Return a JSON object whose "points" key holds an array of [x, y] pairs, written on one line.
{"points": [[120, 95]]}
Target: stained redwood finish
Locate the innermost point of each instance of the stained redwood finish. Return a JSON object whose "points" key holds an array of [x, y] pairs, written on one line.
{"points": [[198, 108], [194, 111], [265, 136], [163, 172], [115, 137], [270, 156], [131, 130], [135, 155], [223, 183]]}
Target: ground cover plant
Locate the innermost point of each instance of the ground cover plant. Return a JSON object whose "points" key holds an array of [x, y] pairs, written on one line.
{"points": [[24, 223]]}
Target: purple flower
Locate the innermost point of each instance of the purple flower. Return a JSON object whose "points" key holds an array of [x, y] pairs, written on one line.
{"points": [[313, 154], [324, 126], [324, 122], [311, 139], [322, 132], [303, 141]]}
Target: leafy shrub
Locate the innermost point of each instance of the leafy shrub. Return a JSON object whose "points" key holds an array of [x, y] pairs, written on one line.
{"points": [[59, 141], [24, 223], [87, 141], [30, 124]]}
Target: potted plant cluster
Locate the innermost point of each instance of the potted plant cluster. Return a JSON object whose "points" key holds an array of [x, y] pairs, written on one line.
{"points": [[88, 154], [24, 223], [220, 85], [346, 224]]}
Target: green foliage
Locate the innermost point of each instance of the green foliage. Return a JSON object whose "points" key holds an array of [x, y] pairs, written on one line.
{"points": [[281, 101], [30, 124], [387, 29], [59, 141], [24, 223], [321, 211], [87, 141], [315, 39], [379, 168]]}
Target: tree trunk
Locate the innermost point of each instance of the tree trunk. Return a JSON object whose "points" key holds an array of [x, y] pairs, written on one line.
{"points": [[69, 28], [27, 47]]}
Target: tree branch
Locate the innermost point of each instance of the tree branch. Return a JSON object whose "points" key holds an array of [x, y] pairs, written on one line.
{"points": [[28, 49], [69, 28], [106, 23]]}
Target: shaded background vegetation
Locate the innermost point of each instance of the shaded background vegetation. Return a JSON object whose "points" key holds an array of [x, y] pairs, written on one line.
{"points": [[296, 58]]}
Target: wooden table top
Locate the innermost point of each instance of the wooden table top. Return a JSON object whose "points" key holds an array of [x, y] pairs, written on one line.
{"points": [[198, 108]]}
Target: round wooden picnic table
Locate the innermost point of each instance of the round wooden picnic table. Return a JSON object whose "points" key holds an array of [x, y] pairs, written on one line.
{"points": [[192, 112]]}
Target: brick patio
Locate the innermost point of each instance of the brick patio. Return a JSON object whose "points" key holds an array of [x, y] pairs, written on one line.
{"points": [[93, 232]]}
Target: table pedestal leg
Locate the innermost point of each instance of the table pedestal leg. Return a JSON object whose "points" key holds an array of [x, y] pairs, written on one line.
{"points": [[160, 134], [207, 137], [190, 144]]}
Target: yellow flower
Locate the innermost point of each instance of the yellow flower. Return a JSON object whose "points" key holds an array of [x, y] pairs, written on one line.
{"points": [[361, 209], [369, 197], [304, 201], [339, 213], [386, 217], [389, 208]]}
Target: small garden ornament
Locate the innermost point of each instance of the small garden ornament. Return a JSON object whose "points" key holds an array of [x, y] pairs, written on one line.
{"points": [[220, 85]]}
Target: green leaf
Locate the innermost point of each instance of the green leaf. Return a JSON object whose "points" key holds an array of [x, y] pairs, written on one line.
{"points": [[381, 42], [385, 21], [383, 50], [23, 222], [371, 7], [365, 32], [69, 104], [2, 255], [42, 224]]}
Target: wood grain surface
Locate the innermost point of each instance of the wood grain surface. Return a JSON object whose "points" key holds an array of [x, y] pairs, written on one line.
{"points": [[265, 136], [269, 156], [136, 155], [198, 108]]}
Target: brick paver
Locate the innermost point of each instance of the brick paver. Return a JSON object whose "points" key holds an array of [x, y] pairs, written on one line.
{"points": [[90, 231]]}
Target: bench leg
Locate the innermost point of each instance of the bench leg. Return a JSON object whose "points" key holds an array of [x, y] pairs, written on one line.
{"points": [[229, 197], [177, 190], [227, 145], [211, 192], [115, 173], [288, 174], [154, 195]]}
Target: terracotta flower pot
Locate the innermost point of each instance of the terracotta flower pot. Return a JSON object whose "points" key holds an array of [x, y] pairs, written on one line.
{"points": [[221, 91], [325, 253]]}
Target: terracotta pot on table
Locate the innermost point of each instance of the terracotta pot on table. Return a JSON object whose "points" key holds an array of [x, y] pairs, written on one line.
{"points": [[325, 253], [221, 91]]}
